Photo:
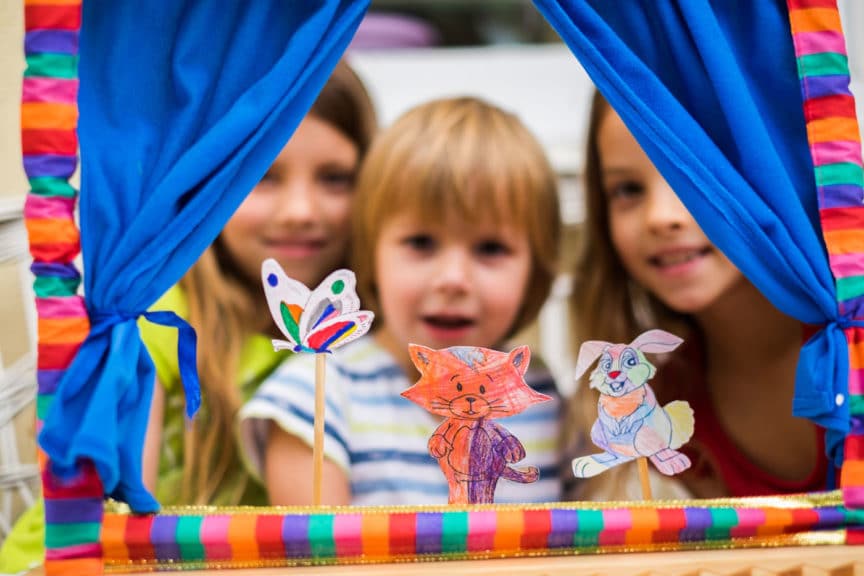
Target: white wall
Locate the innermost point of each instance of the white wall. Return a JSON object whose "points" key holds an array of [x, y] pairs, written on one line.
{"points": [[544, 85], [852, 16]]}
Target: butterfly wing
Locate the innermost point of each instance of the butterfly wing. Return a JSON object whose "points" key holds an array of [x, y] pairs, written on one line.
{"points": [[335, 295], [286, 298], [339, 330]]}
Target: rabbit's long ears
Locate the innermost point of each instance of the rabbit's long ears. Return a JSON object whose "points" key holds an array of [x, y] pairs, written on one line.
{"points": [[654, 341], [588, 353]]}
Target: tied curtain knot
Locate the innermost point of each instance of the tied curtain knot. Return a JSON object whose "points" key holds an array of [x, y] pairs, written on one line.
{"points": [[187, 343], [822, 383]]}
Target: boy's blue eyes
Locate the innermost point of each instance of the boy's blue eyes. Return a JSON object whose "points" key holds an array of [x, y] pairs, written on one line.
{"points": [[419, 242], [491, 248], [427, 243]]}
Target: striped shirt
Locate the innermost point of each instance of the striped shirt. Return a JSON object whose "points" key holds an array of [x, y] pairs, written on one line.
{"points": [[380, 438]]}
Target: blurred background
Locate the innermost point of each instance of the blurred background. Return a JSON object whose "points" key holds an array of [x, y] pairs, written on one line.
{"points": [[407, 51]]}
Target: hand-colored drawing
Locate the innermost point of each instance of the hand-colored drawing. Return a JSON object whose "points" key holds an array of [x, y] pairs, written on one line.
{"points": [[318, 320], [470, 386], [315, 321], [629, 422]]}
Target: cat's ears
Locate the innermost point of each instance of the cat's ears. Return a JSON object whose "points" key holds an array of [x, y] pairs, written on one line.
{"points": [[519, 358], [421, 356]]}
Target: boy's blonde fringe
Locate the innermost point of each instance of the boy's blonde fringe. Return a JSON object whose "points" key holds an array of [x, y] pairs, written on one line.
{"points": [[465, 158]]}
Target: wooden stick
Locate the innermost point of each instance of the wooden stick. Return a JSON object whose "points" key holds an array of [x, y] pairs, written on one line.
{"points": [[318, 443], [643, 478]]}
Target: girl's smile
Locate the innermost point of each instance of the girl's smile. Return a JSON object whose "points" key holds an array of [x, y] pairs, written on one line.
{"points": [[659, 243], [679, 261], [296, 247], [299, 213]]}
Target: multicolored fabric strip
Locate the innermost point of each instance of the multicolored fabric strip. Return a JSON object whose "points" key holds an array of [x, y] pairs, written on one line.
{"points": [[272, 537], [49, 116], [835, 146]]}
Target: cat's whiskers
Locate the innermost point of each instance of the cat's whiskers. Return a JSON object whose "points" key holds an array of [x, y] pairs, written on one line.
{"points": [[440, 402]]}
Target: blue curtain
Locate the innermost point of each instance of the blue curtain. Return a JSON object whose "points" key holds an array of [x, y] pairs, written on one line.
{"points": [[183, 106], [710, 90]]}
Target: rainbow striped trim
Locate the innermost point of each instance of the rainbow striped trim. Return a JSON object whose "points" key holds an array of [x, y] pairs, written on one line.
{"points": [[835, 146], [49, 143], [254, 537]]}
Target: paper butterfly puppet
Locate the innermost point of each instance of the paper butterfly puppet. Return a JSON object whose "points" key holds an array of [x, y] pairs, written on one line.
{"points": [[629, 422], [469, 387], [314, 320]]}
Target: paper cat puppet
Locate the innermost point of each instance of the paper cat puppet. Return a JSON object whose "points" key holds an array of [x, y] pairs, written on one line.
{"points": [[469, 387], [629, 422], [314, 320]]}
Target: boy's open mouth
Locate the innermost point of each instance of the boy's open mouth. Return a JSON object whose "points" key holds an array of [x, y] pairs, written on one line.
{"points": [[448, 322]]}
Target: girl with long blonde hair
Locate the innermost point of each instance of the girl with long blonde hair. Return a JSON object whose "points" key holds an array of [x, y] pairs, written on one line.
{"points": [[299, 214]]}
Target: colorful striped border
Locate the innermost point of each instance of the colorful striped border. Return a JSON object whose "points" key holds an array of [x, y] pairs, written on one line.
{"points": [[249, 537], [49, 144], [835, 146]]}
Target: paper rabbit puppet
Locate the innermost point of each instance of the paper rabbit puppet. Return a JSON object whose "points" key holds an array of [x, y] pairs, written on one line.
{"points": [[469, 386], [630, 423]]}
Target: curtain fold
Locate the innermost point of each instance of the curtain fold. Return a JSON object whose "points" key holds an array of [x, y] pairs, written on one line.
{"points": [[183, 106], [710, 90]]}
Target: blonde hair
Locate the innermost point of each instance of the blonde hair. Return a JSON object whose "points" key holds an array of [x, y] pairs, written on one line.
{"points": [[606, 304], [225, 309], [463, 157]]}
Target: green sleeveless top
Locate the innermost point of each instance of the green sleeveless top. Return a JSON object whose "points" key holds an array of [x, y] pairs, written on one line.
{"points": [[257, 360]]}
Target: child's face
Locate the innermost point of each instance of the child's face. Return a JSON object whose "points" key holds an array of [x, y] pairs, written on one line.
{"points": [[447, 284], [660, 244], [299, 212]]}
